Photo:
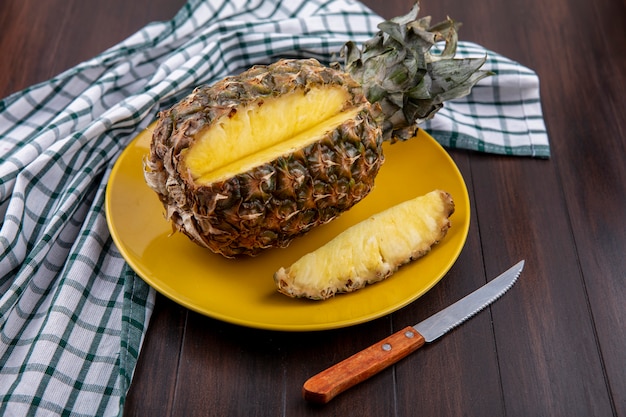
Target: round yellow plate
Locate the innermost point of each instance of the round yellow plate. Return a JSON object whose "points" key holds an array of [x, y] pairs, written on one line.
{"points": [[242, 291]]}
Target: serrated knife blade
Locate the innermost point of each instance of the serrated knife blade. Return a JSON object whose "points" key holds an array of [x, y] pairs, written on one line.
{"points": [[326, 385]]}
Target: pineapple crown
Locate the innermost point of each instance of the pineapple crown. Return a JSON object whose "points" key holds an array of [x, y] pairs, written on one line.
{"points": [[397, 70]]}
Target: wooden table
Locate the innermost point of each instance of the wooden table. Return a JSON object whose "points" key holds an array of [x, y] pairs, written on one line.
{"points": [[555, 345]]}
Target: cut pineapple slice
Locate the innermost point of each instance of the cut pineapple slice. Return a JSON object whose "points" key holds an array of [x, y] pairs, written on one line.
{"points": [[371, 250]]}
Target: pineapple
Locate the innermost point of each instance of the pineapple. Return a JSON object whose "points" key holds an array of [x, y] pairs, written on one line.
{"points": [[260, 158], [371, 250]]}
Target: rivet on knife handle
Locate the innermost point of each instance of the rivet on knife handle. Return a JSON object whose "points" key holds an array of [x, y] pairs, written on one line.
{"points": [[324, 386]]}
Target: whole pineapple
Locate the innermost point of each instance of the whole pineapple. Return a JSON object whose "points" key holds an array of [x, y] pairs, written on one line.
{"points": [[260, 158]]}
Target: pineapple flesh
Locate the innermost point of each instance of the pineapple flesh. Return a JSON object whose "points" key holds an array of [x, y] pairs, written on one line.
{"points": [[264, 136], [371, 250], [258, 159]]}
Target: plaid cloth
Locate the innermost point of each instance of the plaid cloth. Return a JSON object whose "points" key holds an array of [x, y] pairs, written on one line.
{"points": [[502, 114], [72, 313]]}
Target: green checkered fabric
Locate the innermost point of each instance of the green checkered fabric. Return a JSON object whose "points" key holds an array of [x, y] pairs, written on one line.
{"points": [[72, 313], [502, 114]]}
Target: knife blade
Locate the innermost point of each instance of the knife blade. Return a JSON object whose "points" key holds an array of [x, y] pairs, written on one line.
{"points": [[327, 384]]}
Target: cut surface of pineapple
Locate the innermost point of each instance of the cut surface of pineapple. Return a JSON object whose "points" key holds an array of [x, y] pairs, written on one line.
{"points": [[266, 129], [371, 250], [235, 160]]}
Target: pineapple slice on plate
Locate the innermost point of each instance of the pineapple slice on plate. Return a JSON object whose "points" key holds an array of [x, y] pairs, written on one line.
{"points": [[260, 158], [369, 251]]}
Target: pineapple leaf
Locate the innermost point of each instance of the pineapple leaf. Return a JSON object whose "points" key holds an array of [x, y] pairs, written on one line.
{"points": [[397, 69], [451, 73]]}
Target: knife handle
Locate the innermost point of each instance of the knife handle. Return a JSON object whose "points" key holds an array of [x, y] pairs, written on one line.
{"points": [[324, 386]]}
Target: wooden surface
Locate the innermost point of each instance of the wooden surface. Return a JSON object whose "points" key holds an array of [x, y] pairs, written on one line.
{"points": [[555, 345]]}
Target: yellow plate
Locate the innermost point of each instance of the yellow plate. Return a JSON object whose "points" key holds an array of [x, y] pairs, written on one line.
{"points": [[242, 291]]}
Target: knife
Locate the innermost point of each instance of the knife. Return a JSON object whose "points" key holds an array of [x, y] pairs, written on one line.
{"points": [[326, 385]]}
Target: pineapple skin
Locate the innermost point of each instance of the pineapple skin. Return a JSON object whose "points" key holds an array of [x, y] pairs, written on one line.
{"points": [[371, 250], [271, 204]]}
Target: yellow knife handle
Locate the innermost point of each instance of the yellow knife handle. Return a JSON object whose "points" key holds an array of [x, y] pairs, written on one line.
{"points": [[326, 385]]}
